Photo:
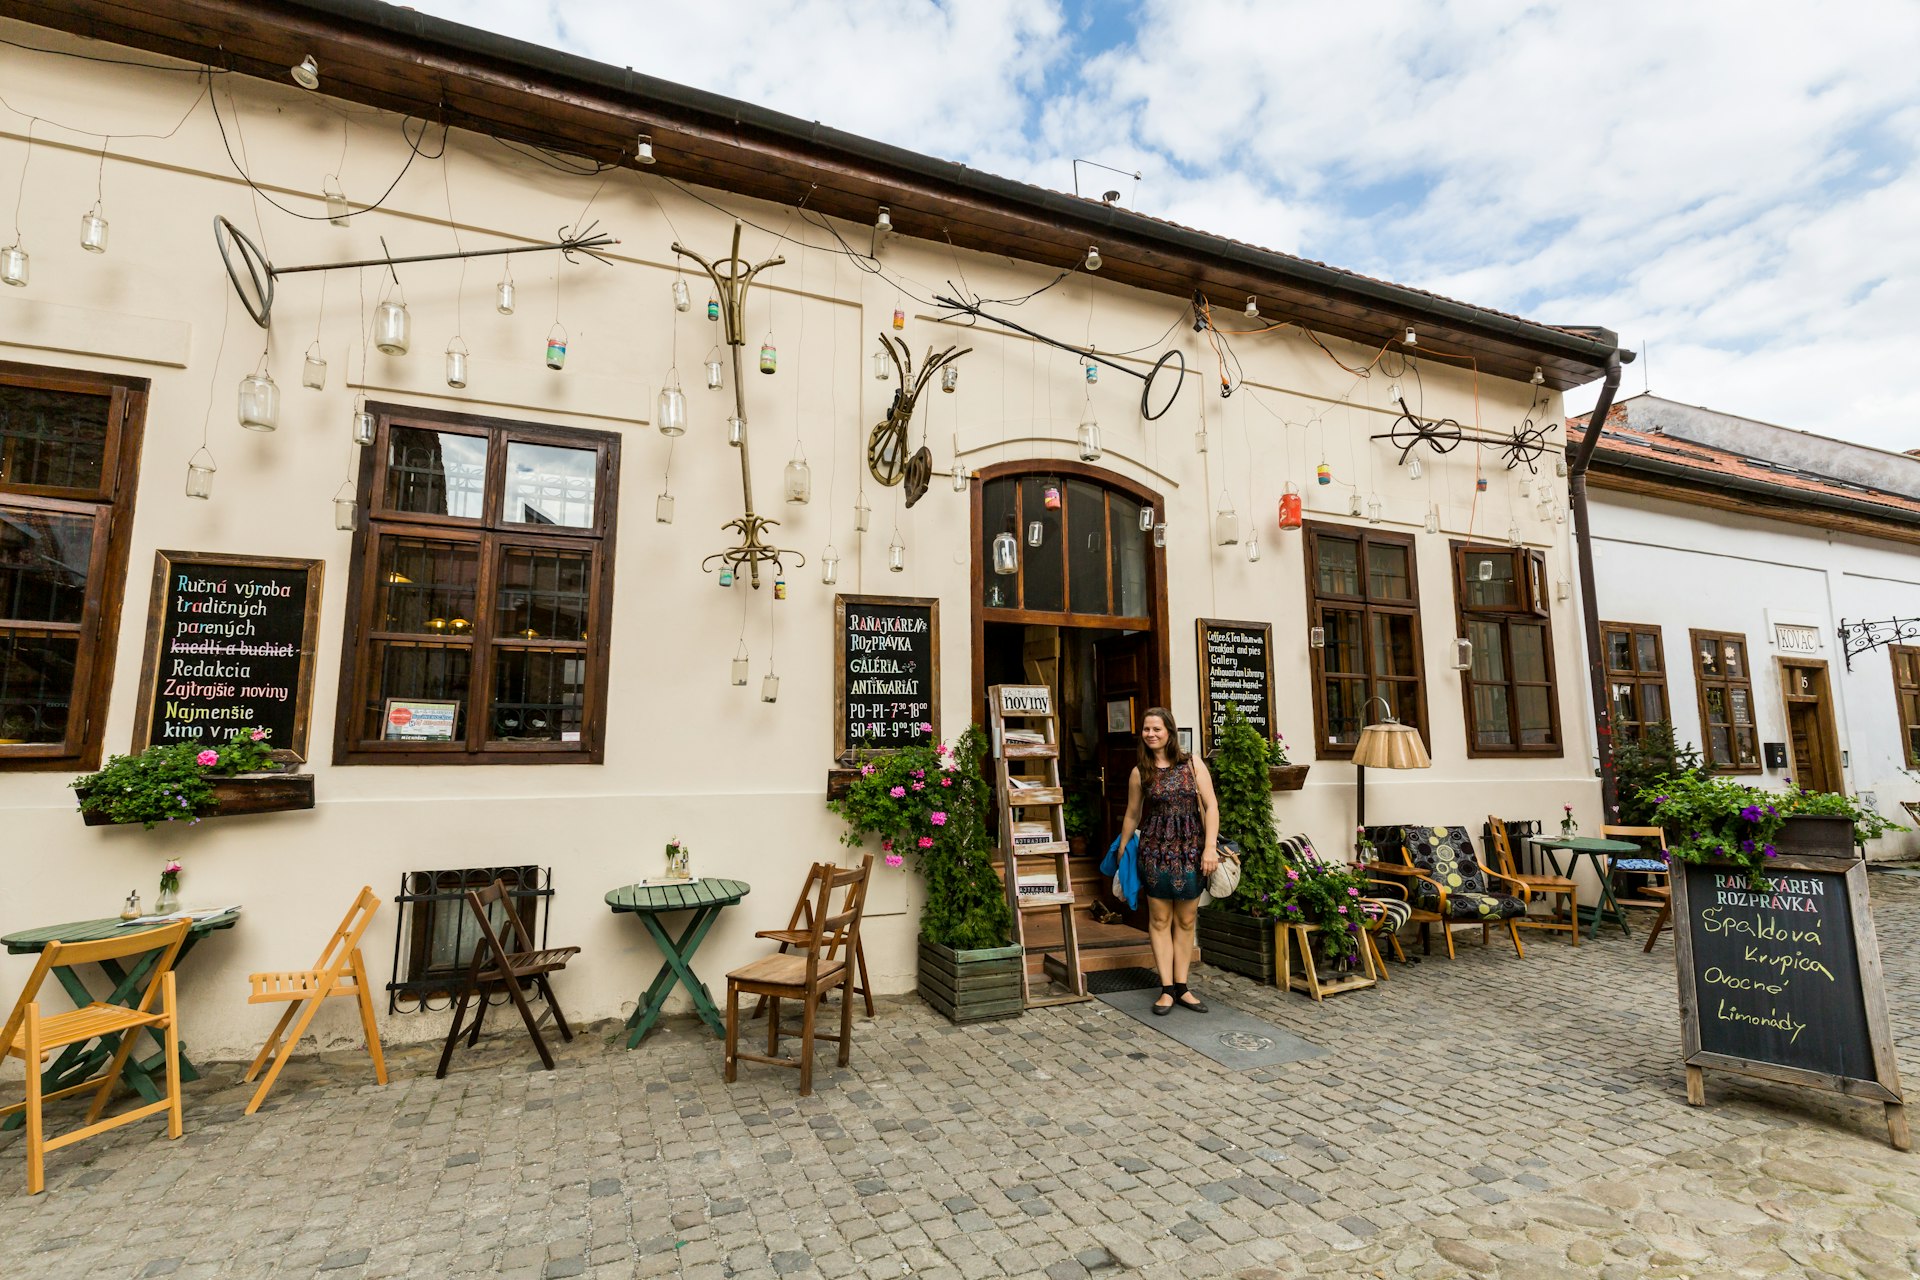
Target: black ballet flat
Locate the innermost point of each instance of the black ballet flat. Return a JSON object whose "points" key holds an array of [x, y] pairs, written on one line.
{"points": [[1191, 1001], [1160, 1011]]}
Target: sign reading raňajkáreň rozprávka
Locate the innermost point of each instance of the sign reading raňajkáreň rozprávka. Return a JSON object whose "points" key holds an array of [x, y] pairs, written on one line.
{"points": [[1781, 980], [886, 672], [230, 641]]}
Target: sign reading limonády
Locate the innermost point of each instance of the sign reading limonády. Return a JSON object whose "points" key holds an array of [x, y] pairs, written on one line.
{"points": [[230, 643], [1781, 980], [886, 672], [1236, 669]]}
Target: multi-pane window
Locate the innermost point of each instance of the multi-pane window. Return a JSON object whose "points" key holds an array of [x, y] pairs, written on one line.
{"points": [[1078, 548], [477, 632], [1502, 598], [1636, 678], [1906, 697], [69, 455], [1364, 602], [1730, 736]]}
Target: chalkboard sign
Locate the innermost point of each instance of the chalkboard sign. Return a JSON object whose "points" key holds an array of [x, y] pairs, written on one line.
{"points": [[1783, 981], [230, 644], [1236, 669], [886, 673]]}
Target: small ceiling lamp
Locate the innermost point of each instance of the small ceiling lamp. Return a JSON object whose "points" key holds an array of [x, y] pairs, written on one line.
{"points": [[1093, 257], [1412, 340], [307, 73], [1539, 375], [643, 149], [883, 223], [1253, 308]]}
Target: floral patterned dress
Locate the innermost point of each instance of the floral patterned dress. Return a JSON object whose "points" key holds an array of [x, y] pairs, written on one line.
{"points": [[1171, 834]]}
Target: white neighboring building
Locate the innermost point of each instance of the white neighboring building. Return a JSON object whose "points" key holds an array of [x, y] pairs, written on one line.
{"points": [[1734, 562]]}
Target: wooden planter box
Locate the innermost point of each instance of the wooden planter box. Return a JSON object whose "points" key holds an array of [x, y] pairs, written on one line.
{"points": [[1240, 942], [1817, 836], [245, 793], [1286, 777], [971, 986]]}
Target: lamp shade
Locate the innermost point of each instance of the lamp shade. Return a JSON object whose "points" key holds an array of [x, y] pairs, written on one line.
{"points": [[1390, 746]]}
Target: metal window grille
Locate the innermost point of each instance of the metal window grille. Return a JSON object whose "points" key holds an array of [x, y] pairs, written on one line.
{"points": [[435, 934]]}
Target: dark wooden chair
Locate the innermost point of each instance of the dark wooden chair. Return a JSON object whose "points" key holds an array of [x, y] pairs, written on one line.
{"points": [[799, 931], [495, 966], [825, 961], [1555, 889]]}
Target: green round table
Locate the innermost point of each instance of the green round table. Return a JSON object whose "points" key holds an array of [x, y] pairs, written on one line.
{"points": [[706, 899], [1600, 850]]}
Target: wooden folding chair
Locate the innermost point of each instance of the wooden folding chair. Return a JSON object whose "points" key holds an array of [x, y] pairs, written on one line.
{"points": [[1658, 891], [494, 966], [340, 971], [800, 928], [31, 1035], [1555, 889], [825, 962]]}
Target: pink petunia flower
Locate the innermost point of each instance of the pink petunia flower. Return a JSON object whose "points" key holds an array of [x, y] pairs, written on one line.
{"points": [[919, 773], [926, 726], [1343, 911], [259, 735], [926, 842], [866, 771], [894, 860], [886, 846], [919, 786], [897, 792], [207, 758], [1352, 892], [946, 782], [939, 818]]}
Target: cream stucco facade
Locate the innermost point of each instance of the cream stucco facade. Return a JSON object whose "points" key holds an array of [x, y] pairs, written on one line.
{"points": [[739, 780]]}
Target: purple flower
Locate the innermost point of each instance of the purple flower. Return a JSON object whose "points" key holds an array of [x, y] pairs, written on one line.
{"points": [[1770, 851], [1746, 846], [1751, 813], [1659, 799]]}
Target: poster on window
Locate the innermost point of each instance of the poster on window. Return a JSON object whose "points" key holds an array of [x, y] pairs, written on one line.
{"points": [[229, 646]]}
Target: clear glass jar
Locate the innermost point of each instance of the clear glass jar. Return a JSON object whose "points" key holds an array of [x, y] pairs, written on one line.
{"points": [[456, 364], [93, 231], [1226, 526], [503, 296], [200, 471], [1089, 441], [663, 509], [799, 482], [682, 300], [770, 688], [949, 378], [713, 372], [1006, 553], [829, 566], [313, 369], [896, 554], [392, 327], [671, 410], [363, 425], [259, 401], [14, 265]]}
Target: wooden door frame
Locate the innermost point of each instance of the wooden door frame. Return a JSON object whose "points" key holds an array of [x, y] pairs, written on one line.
{"points": [[1828, 730], [1159, 665]]}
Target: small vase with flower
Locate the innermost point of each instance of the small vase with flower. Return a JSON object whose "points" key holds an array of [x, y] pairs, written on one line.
{"points": [[169, 900]]}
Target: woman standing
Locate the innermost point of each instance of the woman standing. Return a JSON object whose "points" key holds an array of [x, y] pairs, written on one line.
{"points": [[1170, 803]]}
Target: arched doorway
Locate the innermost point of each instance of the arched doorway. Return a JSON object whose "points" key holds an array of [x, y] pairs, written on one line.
{"points": [[1080, 606]]}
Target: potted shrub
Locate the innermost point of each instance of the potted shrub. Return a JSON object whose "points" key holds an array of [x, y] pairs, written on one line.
{"points": [[188, 781], [1283, 774], [1718, 820], [1327, 895], [1238, 934], [1652, 758], [930, 803]]}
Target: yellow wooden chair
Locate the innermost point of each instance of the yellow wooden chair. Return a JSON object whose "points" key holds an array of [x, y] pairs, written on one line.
{"points": [[340, 971], [1555, 889], [31, 1035]]}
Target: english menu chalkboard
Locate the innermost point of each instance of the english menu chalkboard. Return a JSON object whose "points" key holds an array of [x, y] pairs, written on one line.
{"points": [[1780, 979], [886, 681], [1236, 669], [230, 642]]}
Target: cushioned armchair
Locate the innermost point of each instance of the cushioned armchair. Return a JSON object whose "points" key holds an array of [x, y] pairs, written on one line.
{"points": [[1449, 886]]}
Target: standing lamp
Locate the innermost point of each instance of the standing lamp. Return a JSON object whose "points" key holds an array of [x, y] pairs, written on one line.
{"points": [[1387, 745]]}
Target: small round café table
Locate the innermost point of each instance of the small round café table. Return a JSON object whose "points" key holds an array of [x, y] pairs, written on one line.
{"points": [[79, 1062], [705, 898], [1601, 851]]}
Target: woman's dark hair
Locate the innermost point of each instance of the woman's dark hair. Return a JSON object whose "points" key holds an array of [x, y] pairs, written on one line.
{"points": [[1174, 754]]}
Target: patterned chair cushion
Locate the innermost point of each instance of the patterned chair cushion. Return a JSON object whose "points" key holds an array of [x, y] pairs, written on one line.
{"points": [[1639, 864], [1483, 907], [1386, 913], [1445, 854]]}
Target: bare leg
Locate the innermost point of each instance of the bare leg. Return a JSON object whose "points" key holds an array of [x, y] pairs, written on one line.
{"points": [[1185, 916], [1160, 937]]}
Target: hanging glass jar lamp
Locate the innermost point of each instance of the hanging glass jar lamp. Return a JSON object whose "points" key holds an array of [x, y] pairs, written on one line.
{"points": [[345, 507], [1089, 439], [503, 293], [1290, 508], [1226, 524], [670, 412], [896, 554], [829, 566], [93, 230], [862, 513], [457, 363], [769, 357], [1006, 553], [313, 368], [713, 369], [1036, 533], [736, 430], [663, 508], [899, 319], [770, 687], [740, 666], [949, 378], [14, 265], [682, 300], [1253, 547], [557, 347], [363, 424], [882, 365], [799, 481], [200, 471], [392, 327], [259, 400]]}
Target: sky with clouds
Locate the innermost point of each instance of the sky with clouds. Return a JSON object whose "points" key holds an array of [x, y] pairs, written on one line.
{"points": [[1732, 187]]}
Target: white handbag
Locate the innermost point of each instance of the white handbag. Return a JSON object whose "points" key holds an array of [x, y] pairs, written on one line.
{"points": [[1226, 876]]}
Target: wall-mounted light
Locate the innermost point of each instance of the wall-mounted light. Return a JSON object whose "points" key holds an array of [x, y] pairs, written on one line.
{"points": [[643, 149], [1093, 257], [306, 73]]}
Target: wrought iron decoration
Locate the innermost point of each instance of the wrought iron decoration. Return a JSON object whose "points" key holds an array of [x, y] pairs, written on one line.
{"points": [[731, 276], [1860, 637], [887, 442], [1523, 446], [1170, 361]]}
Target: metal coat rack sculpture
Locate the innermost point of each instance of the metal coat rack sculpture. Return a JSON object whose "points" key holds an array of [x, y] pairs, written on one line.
{"points": [[731, 277], [1862, 637], [1171, 358], [887, 460], [1524, 445], [261, 273]]}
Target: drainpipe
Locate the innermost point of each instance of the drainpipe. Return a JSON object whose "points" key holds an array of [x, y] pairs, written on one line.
{"points": [[1577, 465]]}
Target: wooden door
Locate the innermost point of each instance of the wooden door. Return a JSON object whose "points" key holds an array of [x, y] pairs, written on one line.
{"points": [[1812, 742], [1803, 737], [1125, 691]]}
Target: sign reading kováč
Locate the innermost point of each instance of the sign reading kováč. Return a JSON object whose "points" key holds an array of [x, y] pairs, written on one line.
{"points": [[230, 643], [1236, 668], [1781, 980], [886, 672]]}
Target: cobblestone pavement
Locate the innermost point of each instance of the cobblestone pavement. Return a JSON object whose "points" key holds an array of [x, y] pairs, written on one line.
{"points": [[1489, 1116]]}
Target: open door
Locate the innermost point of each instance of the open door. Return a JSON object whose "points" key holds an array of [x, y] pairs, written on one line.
{"points": [[1125, 694], [1812, 740]]}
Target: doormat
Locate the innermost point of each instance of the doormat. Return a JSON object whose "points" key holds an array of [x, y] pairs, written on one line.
{"points": [[1102, 982], [1232, 1038]]}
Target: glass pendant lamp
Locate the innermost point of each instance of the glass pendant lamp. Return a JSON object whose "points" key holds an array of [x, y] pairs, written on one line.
{"points": [[1006, 553], [93, 230], [200, 471], [392, 327], [799, 482], [259, 400], [671, 410], [1226, 524]]}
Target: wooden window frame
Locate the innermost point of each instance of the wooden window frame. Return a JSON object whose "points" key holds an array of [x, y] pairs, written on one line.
{"points": [[1897, 654], [111, 506], [492, 537], [1633, 675], [1317, 601], [1068, 616], [1530, 608], [1726, 684]]}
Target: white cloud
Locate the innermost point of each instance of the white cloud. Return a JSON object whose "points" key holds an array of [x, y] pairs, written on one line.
{"points": [[1733, 184]]}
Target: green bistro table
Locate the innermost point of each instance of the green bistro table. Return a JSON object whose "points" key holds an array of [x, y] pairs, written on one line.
{"points": [[1601, 851], [705, 899], [79, 1062]]}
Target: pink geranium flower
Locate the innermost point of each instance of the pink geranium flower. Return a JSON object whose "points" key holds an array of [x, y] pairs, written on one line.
{"points": [[259, 735], [897, 792], [926, 726], [866, 770], [207, 758], [919, 786], [939, 818], [886, 846], [946, 782], [894, 860], [926, 842]]}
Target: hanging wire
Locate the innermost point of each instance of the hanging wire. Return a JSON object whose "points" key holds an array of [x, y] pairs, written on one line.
{"points": [[19, 195]]}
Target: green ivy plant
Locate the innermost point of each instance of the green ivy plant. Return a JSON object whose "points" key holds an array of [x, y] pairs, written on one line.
{"points": [[1239, 768], [169, 783], [932, 802]]}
